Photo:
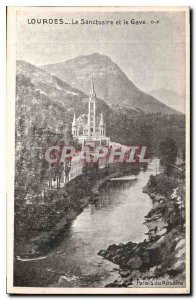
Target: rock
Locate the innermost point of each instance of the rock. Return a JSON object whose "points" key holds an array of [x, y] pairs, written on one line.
{"points": [[161, 254], [112, 247], [102, 253], [117, 259], [134, 263], [124, 274]]}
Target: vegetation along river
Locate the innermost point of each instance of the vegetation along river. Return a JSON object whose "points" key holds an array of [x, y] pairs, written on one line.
{"points": [[116, 217]]}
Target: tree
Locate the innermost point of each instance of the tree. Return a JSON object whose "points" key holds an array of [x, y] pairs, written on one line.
{"points": [[168, 154]]}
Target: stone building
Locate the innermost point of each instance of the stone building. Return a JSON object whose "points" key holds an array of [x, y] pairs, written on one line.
{"points": [[90, 129]]}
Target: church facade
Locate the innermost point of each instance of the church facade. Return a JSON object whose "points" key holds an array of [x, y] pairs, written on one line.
{"points": [[90, 129]]}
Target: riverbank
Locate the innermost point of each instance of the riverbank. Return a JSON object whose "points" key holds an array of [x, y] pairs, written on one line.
{"points": [[48, 218], [42, 225], [160, 259]]}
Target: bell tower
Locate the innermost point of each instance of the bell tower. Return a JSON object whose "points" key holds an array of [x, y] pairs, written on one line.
{"points": [[91, 111], [102, 126], [74, 127]]}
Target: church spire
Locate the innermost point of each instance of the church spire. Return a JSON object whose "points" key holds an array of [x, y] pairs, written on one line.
{"points": [[92, 111], [74, 120], [101, 123], [92, 92]]}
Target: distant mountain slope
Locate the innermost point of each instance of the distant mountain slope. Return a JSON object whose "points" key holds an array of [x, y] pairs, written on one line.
{"points": [[45, 106], [48, 102], [44, 102], [112, 84], [170, 98], [55, 100]]}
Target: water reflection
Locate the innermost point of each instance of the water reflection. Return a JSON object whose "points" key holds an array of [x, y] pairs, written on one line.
{"points": [[108, 192], [115, 216]]}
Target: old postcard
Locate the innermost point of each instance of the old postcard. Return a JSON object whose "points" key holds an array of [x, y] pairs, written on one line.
{"points": [[98, 168]]}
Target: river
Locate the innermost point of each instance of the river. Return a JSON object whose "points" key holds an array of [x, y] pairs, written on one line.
{"points": [[117, 217]]}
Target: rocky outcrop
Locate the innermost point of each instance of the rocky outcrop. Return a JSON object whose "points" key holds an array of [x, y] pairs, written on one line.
{"points": [[161, 256]]}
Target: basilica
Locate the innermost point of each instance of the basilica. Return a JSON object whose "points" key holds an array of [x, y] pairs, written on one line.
{"points": [[90, 129]]}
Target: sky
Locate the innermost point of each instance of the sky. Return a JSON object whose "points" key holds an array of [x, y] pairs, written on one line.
{"points": [[153, 56]]}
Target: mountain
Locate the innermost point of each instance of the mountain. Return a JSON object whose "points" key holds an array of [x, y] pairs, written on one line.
{"points": [[45, 101], [170, 98], [45, 106], [111, 83], [48, 98]]}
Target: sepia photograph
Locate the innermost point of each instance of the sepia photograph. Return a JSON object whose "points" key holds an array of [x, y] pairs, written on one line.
{"points": [[98, 115]]}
